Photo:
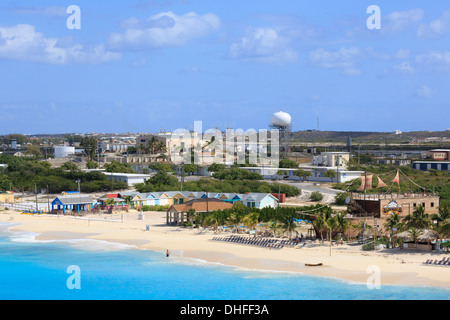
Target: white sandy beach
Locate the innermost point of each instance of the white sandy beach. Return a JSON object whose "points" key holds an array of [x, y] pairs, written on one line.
{"points": [[397, 267]]}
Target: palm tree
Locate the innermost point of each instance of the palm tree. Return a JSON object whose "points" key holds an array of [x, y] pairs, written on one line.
{"points": [[290, 225], [234, 219], [331, 224], [342, 223], [318, 223], [443, 215], [415, 233], [213, 138], [418, 218], [212, 220], [275, 226], [128, 200], [141, 148], [444, 229], [160, 147], [190, 214], [251, 220], [393, 222], [200, 219]]}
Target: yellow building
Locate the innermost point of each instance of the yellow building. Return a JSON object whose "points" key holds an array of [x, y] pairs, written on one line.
{"points": [[6, 197]]}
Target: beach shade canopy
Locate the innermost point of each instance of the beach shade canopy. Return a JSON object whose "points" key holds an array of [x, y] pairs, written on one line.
{"points": [[428, 235], [404, 235]]}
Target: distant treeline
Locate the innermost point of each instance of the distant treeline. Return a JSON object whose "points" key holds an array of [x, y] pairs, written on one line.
{"points": [[27, 174]]}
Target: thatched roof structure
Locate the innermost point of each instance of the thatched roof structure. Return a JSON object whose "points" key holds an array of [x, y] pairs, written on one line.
{"points": [[428, 235], [425, 235], [405, 235]]}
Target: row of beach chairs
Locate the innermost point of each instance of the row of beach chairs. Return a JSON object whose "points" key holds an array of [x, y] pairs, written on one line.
{"points": [[267, 243], [443, 262]]}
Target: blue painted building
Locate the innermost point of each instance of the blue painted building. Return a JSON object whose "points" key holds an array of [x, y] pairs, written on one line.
{"points": [[71, 204], [429, 165]]}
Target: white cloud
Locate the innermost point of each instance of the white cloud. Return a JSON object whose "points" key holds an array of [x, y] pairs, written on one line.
{"points": [[434, 61], [391, 24], [426, 92], [344, 58], [401, 20], [162, 30], [404, 68], [403, 54], [435, 28], [52, 11], [22, 42], [139, 62], [265, 45]]}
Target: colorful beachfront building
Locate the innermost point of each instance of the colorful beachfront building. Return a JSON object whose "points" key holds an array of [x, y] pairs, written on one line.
{"points": [[168, 198], [71, 204], [259, 200], [252, 200]]}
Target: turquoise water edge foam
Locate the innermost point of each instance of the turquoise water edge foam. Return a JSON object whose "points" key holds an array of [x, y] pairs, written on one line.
{"points": [[38, 270]]}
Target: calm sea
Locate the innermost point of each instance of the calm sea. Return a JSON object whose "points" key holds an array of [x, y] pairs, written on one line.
{"points": [[31, 269]]}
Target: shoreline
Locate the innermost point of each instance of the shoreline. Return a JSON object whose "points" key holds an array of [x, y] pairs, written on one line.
{"points": [[397, 267]]}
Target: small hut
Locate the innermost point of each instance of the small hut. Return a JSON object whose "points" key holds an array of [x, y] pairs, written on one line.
{"points": [[423, 241]]}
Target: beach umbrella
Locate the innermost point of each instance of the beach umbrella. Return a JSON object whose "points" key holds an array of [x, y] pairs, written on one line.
{"points": [[428, 235]]}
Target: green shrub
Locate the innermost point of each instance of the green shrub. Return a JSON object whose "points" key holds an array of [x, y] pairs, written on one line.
{"points": [[316, 196], [339, 199], [154, 208]]}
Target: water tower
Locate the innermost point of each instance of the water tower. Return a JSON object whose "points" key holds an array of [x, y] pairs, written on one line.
{"points": [[281, 121]]}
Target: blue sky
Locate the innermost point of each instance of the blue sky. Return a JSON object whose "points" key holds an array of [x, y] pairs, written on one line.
{"points": [[147, 65]]}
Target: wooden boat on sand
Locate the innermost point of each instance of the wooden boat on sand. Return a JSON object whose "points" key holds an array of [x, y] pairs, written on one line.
{"points": [[313, 264]]}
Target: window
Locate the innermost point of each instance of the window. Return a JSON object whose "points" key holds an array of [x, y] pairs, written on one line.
{"points": [[423, 204], [432, 204], [414, 205], [251, 204]]}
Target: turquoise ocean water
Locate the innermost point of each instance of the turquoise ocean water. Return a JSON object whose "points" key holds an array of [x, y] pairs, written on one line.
{"points": [[31, 270]]}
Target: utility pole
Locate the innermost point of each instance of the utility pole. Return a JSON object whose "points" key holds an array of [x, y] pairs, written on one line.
{"points": [[48, 200], [35, 192], [182, 175], [207, 208], [365, 210], [279, 193]]}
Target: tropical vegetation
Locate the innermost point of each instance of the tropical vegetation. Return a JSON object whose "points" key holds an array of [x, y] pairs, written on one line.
{"points": [[28, 174]]}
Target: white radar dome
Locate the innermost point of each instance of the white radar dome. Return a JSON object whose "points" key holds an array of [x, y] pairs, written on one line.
{"points": [[281, 119]]}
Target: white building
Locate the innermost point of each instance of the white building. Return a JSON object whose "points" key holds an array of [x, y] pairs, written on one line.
{"points": [[64, 151], [317, 173], [334, 161], [114, 147], [130, 178], [331, 159]]}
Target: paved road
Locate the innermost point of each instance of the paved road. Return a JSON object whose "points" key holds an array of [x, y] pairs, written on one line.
{"points": [[311, 187], [304, 186]]}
